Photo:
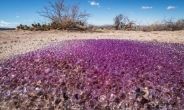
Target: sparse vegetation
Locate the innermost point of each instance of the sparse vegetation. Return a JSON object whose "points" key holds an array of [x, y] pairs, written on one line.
{"points": [[117, 21], [61, 16], [123, 22], [69, 17], [64, 16], [165, 25]]}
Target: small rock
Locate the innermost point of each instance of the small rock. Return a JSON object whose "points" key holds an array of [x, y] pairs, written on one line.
{"points": [[76, 96], [65, 96], [102, 98], [138, 90], [144, 101], [39, 82], [47, 70], [146, 93]]}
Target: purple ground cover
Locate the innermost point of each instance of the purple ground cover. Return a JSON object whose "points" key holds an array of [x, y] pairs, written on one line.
{"points": [[95, 74]]}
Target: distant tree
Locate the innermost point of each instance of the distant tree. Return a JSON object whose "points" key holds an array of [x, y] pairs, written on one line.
{"points": [[117, 21], [63, 14], [120, 21]]}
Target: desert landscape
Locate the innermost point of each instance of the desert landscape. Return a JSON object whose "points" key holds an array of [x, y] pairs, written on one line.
{"points": [[13, 42], [113, 56], [114, 70]]}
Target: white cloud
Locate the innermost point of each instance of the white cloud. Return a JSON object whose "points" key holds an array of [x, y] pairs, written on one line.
{"points": [[15, 23], [171, 7], [17, 16], [94, 3], [8, 24], [146, 7], [3, 23]]}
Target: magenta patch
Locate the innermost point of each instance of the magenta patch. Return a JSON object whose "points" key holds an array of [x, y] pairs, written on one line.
{"points": [[95, 74]]}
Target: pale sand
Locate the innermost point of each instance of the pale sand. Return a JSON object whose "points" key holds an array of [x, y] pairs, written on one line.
{"points": [[19, 42]]}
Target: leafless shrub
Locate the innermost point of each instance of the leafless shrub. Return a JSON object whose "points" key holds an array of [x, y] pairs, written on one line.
{"points": [[180, 24], [117, 21], [146, 28], [157, 26], [120, 20], [165, 25], [65, 16], [93, 28], [123, 22], [170, 25], [130, 26], [108, 27]]}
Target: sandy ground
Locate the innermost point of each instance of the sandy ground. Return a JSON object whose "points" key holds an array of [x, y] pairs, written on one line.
{"points": [[19, 42]]}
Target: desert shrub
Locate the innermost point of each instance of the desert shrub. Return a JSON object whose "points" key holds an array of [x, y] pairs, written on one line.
{"points": [[66, 16], [20, 27], [174, 25], [62, 16], [108, 27], [157, 27], [120, 21], [91, 27], [31, 29], [117, 21], [180, 23], [165, 25], [80, 27], [23, 27], [146, 28]]}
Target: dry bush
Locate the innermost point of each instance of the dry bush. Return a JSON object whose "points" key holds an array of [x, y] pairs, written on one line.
{"points": [[62, 17], [65, 16], [180, 23], [117, 21], [146, 28], [108, 27], [165, 25], [90, 26], [80, 27], [170, 25], [120, 21], [157, 26]]}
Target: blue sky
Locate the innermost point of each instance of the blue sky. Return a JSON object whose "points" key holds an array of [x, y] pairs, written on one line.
{"points": [[15, 12]]}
